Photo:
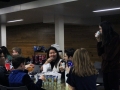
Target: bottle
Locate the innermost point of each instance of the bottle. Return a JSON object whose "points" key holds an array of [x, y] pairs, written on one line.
{"points": [[62, 64]]}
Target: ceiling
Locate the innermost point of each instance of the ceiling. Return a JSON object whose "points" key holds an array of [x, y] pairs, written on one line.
{"points": [[7, 3], [76, 12]]}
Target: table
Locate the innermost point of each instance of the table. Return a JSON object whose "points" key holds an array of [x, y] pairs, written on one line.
{"points": [[55, 86], [62, 86]]}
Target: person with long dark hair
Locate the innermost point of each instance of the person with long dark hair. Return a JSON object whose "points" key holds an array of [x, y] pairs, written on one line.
{"points": [[55, 61], [108, 46]]}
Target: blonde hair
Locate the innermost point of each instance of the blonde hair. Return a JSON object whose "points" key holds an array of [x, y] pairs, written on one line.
{"points": [[82, 64]]}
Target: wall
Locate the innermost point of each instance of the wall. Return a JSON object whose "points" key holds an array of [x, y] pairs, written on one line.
{"points": [[76, 36], [27, 36], [82, 37]]}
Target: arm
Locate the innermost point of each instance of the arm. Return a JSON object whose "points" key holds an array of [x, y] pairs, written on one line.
{"points": [[30, 84], [100, 49], [3, 77], [70, 87], [70, 81], [48, 60]]}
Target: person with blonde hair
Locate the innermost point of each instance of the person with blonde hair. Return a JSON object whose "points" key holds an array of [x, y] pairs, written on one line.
{"points": [[82, 75]]}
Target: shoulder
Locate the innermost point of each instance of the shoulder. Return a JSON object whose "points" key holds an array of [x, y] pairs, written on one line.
{"points": [[9, 56], [2, 69]]}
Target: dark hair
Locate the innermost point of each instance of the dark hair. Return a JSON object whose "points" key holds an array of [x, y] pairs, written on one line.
{"points": [[5, 51], [58, 56], [1, 52], [70, 52], [107, 32], [17, 60]]}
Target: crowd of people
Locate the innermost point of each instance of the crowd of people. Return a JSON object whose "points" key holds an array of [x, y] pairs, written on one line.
{"points": [[76, 64]]}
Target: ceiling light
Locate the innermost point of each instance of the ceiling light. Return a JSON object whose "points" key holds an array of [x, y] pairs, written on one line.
{"points": [[97, 84], [103, 10], [15, 21]]}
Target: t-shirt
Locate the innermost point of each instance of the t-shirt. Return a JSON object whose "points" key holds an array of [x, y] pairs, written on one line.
{"points": [[82, 83]]}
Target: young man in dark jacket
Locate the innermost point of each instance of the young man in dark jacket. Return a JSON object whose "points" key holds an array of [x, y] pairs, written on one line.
{"points": [[19, 76]]}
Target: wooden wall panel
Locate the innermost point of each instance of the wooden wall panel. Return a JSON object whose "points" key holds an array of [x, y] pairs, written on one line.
{"points": [[82, 37], [76, 36], [27, 36]]}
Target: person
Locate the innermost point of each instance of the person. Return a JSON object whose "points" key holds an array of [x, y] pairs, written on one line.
{"points": [[108, 46], [3, 72], [19, 76], [16, 51], [82, 75], [68, 56], [6, 53], [54, 59]]}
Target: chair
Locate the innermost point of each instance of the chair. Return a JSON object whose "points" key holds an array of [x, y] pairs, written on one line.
{"points": [[97, 65], [100, 75], [13, 88]]}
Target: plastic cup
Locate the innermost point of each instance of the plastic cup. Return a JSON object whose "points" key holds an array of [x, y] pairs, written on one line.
{"points": [[30, 69], [7, 66]]}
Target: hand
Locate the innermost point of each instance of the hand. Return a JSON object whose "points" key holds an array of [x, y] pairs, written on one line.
{"points": [[42, 77], [99, 39], [41, 68], [67, 69], [12, 69], [49, 60], [29, 65], [70, 87], [61, 69]]}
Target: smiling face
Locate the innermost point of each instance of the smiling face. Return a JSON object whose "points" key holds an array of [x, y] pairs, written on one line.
{"points": [[53, 54]]}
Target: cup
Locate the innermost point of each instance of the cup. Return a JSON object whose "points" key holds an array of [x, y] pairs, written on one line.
{"points": [[97, 34], [30, 69], [7, 66]]}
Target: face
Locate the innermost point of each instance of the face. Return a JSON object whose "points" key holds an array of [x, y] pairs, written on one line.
{"points": [[65, 57], [52, 54], [14, 52], [22, 66], [2, 59], [100, 29]]}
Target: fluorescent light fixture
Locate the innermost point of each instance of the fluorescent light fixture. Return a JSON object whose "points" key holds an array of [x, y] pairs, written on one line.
{"points": [[103, 10], [97, 84], [19, 20]]}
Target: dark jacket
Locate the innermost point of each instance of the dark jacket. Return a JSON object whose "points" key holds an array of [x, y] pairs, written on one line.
{"points": [[3, 76], [110, 55], [20, 78]]}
